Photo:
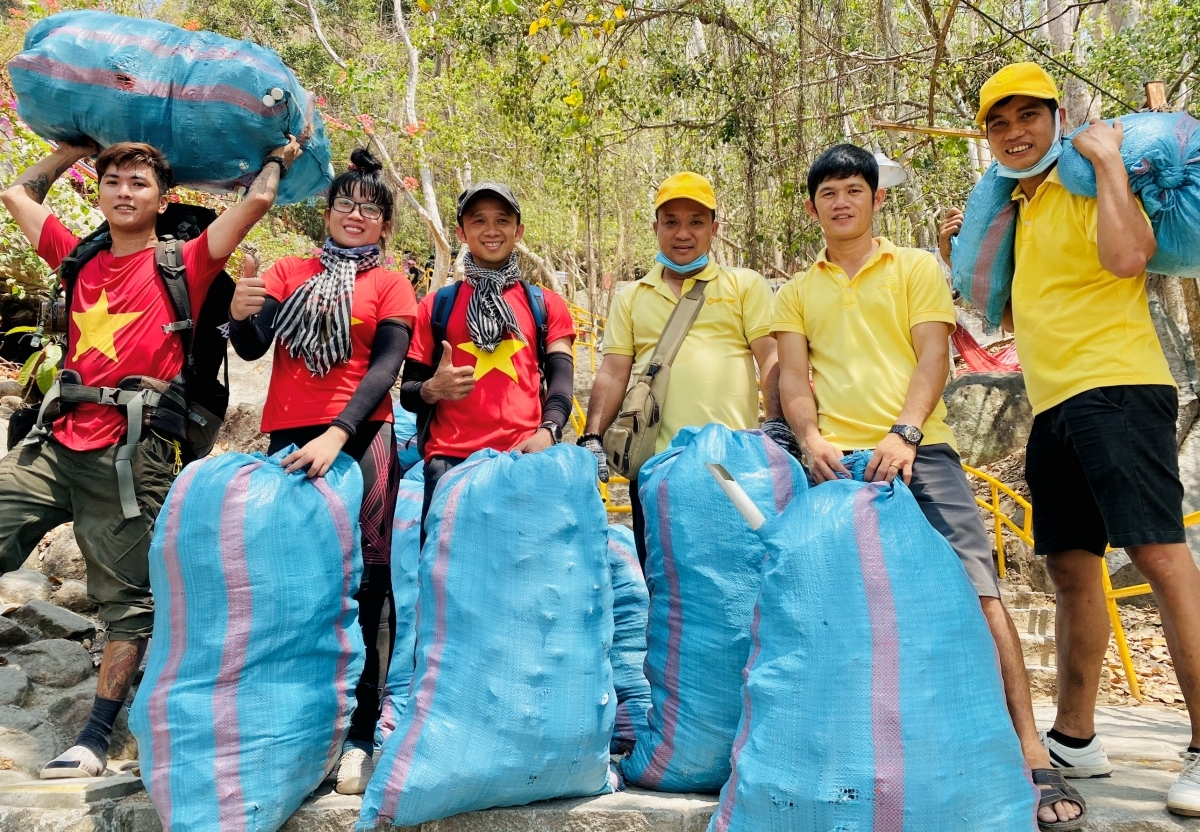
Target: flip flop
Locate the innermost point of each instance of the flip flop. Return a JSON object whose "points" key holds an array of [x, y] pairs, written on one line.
{"points": [[1052, 788]]}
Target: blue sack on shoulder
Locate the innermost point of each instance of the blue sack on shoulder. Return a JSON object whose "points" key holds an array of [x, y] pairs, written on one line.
{"points": [[981, 254], [873, 698]]}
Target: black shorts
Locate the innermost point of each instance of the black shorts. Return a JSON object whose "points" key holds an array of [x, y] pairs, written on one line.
{"points": [[1103, 468]]}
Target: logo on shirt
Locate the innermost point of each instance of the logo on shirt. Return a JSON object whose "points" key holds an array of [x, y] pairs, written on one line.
{"points": [[500, 360], [98, 327], [711, 301]]}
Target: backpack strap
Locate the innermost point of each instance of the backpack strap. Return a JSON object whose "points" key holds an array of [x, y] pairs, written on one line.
{"points": [[541, 319], [439, 319], [168, 256]]}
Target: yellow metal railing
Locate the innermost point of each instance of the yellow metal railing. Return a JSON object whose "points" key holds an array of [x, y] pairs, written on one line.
{"points": [[1025, 533]]}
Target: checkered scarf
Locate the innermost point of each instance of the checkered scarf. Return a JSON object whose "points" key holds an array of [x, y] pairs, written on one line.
{"points": [[315, 321], [488, 313]]}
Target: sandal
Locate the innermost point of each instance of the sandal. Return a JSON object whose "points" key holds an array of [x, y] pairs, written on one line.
{"points": [[1052, 788]]}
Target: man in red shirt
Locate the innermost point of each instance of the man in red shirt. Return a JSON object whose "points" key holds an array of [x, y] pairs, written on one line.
{"points": [[118, 310], [486, 390]]}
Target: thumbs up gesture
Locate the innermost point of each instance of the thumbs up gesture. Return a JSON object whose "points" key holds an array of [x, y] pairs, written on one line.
{"points": [[250, 291], [448, 382]]}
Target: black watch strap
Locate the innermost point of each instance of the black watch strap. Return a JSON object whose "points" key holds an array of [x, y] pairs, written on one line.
{"points": [[556, 433], [283, 168]]}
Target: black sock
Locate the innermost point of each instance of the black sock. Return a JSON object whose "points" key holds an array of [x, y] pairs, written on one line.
{"points": [[100, 725], [1193, 749], [1069, 741]]}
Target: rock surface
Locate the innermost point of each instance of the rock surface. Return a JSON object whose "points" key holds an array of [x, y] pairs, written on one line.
{"points": [[55, 662], [12, 634], [73, 596], [62, 557], [22, 585], [69, 712], [240, 433], [14, 686], [26, 741], [10, 387], [989, 414], [52, 621]]}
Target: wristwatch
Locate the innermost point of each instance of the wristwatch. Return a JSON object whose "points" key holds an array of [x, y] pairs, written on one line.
{"points": [[909, 433], [283, 168], [555, 430]]}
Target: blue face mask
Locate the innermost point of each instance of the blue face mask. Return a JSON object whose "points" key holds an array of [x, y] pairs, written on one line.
{"points": [[689, 268], [1041, 167]]}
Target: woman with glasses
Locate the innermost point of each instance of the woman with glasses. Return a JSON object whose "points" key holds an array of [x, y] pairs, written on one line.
{"points": [[341, 323]]}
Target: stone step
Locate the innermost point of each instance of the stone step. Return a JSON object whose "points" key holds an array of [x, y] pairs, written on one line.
{"points": [[1038, 650], [1034, 621]]}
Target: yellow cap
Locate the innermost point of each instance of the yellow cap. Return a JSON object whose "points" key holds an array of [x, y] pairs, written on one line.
{"points": [[686, 185], [1026, 78]]}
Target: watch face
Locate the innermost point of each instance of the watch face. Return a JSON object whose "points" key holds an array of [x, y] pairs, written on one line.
{"points": [[913, 435]]}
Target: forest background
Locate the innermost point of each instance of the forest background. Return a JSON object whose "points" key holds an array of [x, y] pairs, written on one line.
{"points": [[584, 106]]}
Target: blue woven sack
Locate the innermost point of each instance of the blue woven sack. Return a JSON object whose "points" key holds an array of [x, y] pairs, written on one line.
{"points": [[631, 602], [702, 570], [873, 698], [246, 697], [512, 698], [1161, 152], [406, 437], [207, 102], [981, 254], [406, 551]]}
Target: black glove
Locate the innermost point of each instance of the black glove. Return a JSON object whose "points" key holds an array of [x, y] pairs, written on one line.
{"points": [[781, 432], [593, 443]]}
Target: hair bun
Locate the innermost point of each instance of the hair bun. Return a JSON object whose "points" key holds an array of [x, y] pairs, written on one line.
{"points": [[362, 160]]}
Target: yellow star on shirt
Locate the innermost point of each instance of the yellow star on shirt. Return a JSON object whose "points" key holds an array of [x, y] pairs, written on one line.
{"points": [[500, 360], [354, 321], [97, 326]]}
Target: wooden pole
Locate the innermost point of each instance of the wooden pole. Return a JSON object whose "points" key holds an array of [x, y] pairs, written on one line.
{"points": [[928, 131]]}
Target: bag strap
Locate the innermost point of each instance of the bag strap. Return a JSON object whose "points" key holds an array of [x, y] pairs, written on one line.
{"points": [[439, 319], [541, 318], [678, 325], [168, 256]]}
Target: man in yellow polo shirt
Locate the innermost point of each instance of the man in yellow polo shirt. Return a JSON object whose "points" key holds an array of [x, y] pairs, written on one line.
{"points": [[713, 376], [872, 321], [1101, 462]]}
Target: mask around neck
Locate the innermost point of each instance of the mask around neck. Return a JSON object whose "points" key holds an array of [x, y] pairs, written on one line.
{"points": [[1046, 162], [689, 268]]}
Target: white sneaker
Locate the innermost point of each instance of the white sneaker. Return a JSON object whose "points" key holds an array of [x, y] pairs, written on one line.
{"points": [[1184, 796], [354, 770], [76, 761], [1089, 761]]}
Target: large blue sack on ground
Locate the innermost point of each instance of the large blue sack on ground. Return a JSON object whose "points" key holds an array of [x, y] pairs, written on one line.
{"points": [[406, 552], [1161, 152], [512, 698], [873, 698], [702, 570], [214, 106], [406, 437], [981, 253], [631, 603], [246, 697]]}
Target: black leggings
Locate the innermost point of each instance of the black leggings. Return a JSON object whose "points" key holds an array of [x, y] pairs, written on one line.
{"points": [[374, 448]]}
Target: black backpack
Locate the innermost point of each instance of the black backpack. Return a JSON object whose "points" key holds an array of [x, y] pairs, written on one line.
{"points": [[188, 408]]}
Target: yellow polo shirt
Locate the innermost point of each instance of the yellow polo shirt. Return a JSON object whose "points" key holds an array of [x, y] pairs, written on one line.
{"points": [[713, 377], [860, 340], [1078, 326]]}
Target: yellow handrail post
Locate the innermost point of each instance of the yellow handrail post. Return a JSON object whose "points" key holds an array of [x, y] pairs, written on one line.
{"points": [[999, 530], [1119, 633]]}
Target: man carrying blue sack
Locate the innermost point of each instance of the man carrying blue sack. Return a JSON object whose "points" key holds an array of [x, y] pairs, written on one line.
{"points": [[873, 321], [1102, 461]]}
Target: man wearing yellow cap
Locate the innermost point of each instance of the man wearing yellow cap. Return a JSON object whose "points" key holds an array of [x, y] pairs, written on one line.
{"points": [[712, 377], [1102, 461]]}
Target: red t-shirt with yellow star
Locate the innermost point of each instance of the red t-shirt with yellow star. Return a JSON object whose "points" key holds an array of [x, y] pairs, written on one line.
{"points": [[505, 407], [118, 311], [296, 397]]}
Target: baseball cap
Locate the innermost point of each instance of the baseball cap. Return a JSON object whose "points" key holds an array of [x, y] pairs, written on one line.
{"points": [[686, 185], [1025, 78], [497, 189]]}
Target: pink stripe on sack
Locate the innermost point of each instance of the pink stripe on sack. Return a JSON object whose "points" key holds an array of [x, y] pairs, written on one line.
{"points": [[227, 768], [221, 93], [781, 475], [164, 51], [657, 766], [725, 810], [160, 733], [885, 664], [422, 701], [341, 685], [624, 554], [989, 250], [623, 726]]}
